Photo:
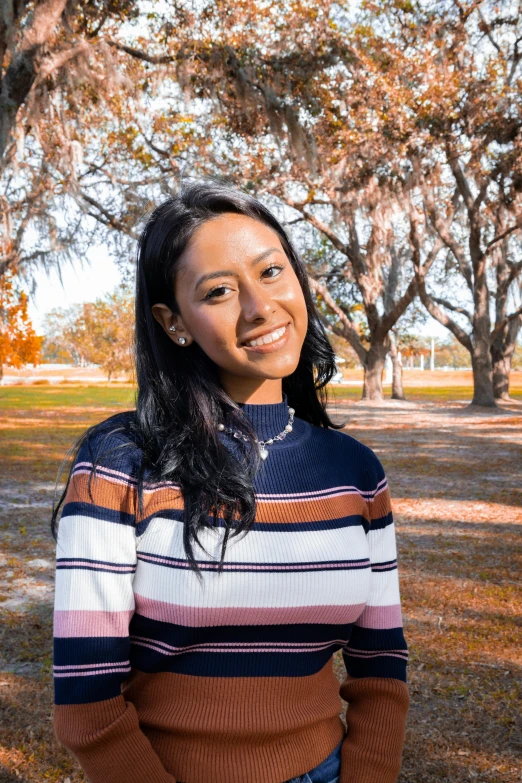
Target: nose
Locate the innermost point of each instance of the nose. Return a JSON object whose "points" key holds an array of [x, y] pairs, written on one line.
{"points": [[256, 303]]}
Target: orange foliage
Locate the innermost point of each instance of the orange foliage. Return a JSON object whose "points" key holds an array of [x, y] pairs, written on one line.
{"points": [[19, 343]]}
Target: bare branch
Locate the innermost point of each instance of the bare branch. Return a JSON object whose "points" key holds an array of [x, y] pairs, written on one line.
{"points": [[110, 220], [156, 59], [346, 329], [433, 309], [454, 308], [499, 328], [504, 234]]}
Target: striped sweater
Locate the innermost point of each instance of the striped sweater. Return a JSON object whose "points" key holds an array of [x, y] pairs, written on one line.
{"points": [[160, 678]]}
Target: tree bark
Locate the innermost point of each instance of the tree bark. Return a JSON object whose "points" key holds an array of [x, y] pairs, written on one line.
{"points": [[501, 354], [21, 72], [397, 390], [373, 369], [482, 375]]}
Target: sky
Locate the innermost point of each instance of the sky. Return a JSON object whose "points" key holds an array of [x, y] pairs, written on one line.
{"points": [[100, 276]]}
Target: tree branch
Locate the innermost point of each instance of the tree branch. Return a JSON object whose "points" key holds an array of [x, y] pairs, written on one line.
{"points": [[426, 300], [454, 308], [110, 220], [346, 330], [504, 234], [156, 59], [499, 328]]}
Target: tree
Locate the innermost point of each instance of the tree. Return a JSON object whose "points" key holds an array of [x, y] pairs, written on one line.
{"points": [[104, 331], [61, 336], [75, 100], [459, 100], [19, 344]]}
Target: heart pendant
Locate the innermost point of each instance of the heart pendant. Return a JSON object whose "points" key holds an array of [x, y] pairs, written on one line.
{"points": [[263, 453]]}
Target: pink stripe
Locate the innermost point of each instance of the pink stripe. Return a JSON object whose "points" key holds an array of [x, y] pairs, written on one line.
{"points": [[91, 674], [80, 666], [374, 652], [192, 616], [379, 491], [99, 566], [235, 648], [148, 487], [376, 655], [240, 646], [381, 617], [82, 622], [331, 492], [204, 565]]}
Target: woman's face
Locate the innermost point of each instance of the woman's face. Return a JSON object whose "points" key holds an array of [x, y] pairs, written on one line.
{"points": [[236, 285]]}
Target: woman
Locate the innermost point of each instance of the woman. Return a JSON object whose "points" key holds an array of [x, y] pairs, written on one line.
{"points": [[217, 545]]}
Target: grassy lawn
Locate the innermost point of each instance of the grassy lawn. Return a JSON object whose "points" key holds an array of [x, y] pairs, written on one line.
{"points": [[457, 498]]}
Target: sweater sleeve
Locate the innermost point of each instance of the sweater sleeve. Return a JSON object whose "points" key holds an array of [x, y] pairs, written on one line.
{"points": [[376, 655], [94, 602]]}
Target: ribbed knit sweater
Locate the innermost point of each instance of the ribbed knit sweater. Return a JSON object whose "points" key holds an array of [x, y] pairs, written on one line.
{"points": [[161, 679]]}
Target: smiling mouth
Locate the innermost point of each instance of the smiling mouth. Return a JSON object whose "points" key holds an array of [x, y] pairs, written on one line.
{"points": [[266, 339]]}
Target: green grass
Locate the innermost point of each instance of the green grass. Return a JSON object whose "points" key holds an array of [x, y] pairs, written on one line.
{"points": [[37, 398], [40, 424]]}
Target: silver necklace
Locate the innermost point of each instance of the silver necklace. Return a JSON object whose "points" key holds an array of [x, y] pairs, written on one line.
{"points": [[263, 451]]}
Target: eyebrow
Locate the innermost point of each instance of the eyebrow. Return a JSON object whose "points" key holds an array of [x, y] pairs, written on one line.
{"points": [[231, 272]]}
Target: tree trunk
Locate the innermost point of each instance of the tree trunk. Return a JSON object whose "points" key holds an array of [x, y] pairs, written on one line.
{"points": [[482, 375], [397, 392], [373, 369], [501, 353], [1, 374]]}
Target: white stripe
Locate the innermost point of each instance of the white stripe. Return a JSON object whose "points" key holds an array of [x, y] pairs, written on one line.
{"points": [[164, 538], [95, 539], [382, 544], [93, 590], [310, 588]]}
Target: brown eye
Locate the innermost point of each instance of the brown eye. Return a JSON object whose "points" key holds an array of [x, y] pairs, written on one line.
{"points": [[213, 292], [273, 266]]}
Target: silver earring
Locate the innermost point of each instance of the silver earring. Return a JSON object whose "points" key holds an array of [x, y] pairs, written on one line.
{"points": [[182, 340], [172, 328]]}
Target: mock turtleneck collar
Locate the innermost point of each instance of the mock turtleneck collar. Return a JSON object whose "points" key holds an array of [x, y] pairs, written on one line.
{"points": [[269, 419]]}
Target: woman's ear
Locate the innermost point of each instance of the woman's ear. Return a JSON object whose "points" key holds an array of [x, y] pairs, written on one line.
{"points": [[172, 324]]}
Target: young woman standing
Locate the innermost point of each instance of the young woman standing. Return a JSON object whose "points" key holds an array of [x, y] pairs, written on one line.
{"points": [[218, 544]]}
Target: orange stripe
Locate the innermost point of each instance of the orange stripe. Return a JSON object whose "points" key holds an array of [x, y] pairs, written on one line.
{"points": [[312, 510], [381, 505]]}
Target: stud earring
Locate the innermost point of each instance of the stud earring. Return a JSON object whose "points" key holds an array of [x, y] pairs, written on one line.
{"points": [[172, 328], [182, 340]]}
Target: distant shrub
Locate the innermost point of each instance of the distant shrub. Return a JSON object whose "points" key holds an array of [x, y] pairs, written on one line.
{"points": [[42, 382]]}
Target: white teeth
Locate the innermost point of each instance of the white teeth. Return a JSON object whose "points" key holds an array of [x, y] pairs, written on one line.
{"points": [[268, 338]]}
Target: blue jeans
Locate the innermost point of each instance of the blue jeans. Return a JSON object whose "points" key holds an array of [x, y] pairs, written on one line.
{"points": [[328, 771]]}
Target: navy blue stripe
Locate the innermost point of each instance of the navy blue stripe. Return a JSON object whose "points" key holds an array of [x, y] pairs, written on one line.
{"points": [[248, 664], [92, 649], [391, 565], [277, 527], [377, 638], [97, 512], [384, 666], [83, 690], [182, 635], [381, 522], [180, 564], [78, 567], [94, 562]]}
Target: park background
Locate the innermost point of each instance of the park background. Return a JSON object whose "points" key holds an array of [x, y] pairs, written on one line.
{"points": [[386, 136]]}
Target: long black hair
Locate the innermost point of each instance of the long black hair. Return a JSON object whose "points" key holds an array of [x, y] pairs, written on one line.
{"points": [[180, 397]]}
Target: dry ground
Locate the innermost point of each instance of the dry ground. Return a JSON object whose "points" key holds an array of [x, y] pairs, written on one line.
{"points": [[455, 479]]}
